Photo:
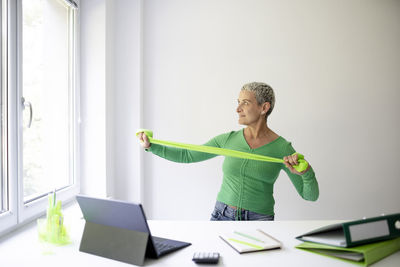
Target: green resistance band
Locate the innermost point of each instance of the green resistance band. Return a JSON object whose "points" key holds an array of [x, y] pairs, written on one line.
{"points": [[302, 166]]}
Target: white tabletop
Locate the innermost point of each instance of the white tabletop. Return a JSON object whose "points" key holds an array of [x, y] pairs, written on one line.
{"points": [[22, 248]]}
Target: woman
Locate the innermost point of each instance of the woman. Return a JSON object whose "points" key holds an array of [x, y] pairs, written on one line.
{"points": [[247, 189]]}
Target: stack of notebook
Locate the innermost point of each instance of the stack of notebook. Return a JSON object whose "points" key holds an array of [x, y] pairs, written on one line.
{"points": [[250, 241], [361, 242]]}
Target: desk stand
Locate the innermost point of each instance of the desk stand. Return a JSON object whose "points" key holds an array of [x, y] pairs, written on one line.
{"points": [[114, 243]]}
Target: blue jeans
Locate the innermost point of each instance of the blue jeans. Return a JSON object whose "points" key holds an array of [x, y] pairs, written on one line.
{"points": [[223, 212]]}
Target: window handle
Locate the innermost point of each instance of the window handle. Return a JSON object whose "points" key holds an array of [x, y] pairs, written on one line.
{"points": [[28, 104]]}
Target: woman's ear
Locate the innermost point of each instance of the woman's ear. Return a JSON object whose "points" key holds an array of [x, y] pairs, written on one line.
{"points": [[266, 107]]}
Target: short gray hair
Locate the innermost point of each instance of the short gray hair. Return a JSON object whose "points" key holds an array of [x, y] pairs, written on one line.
{"points": [[263, 93]]}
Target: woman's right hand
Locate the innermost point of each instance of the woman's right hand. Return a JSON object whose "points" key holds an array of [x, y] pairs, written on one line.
{"points": [[144, 141]]}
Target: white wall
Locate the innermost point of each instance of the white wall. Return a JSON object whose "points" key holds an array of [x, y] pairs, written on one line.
{"points": [[124, 81], [334, 66], [111, 99], [93, 97]]}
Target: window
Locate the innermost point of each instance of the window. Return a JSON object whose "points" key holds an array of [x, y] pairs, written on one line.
{"points": [[47, 98], [43, 113]]}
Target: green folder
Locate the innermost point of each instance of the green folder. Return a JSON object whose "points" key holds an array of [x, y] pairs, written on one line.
{"points": [[363, 255], [357, 232]]}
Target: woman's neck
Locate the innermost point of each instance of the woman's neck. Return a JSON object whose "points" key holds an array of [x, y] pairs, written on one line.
{"points": [[256, 132], [259, 135], [260, 130]]}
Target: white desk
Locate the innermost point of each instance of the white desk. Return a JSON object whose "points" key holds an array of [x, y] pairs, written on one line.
{"points": [[22, 247]]}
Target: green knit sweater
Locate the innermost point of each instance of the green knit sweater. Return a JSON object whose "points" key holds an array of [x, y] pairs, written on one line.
{"points": [[247, 184]]}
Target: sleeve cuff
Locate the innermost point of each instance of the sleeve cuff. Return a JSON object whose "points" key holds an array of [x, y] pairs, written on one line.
{"points": [[309, 175], [154, 148]]}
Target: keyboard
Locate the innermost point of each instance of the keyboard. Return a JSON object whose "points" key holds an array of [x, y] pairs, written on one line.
{"points": [[163, 247]]}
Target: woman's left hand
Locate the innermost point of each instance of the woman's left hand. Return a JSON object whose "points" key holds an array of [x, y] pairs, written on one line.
{"points": [[291, 161]]}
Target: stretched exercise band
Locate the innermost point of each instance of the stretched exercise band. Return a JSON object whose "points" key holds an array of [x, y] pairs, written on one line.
{"points": [[302, 166]]}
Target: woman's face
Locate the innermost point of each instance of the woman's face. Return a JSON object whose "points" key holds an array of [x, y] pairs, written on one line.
{"points": [[248, 109]]}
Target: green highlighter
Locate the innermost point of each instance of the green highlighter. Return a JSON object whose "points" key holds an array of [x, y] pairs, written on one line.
{"points": [[302, 166]]}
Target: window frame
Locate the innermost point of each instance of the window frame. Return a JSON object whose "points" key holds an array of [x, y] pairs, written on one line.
{"points": [[20, 212], [9, 218]]}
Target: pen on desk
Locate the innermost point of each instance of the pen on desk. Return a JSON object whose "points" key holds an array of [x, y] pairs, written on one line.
{"points": [[248, 236]]}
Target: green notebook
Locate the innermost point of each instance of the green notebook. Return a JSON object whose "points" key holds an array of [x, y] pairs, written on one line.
{"points": [[363, 255]]}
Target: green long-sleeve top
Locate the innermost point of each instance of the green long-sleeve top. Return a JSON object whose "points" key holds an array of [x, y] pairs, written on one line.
{"points": [[247, 184]]}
